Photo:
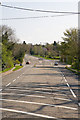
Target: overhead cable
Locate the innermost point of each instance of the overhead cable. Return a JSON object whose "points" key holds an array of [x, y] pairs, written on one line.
{"points": [[35, 17], [37, 10]]}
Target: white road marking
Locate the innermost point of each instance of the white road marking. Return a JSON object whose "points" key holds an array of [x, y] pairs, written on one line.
{"points": [[36, 96], [52, 90], [62, 99], [8, 84], [17, 111], [15, 87], [14, 80], [0, 89], [69, 86], [79, 104], [36, 103], [38, 92], [73, 93], [33, 96], [65, 80], [47, 88], [23, 95]]}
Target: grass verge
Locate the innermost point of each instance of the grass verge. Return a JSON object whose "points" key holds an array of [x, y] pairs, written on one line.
{"points": [[17, 67], [7, 69], [73, 70], [56, 57]]}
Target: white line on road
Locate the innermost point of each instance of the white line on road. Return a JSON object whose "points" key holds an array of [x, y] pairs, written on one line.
{"points": [[38, 115], [69, 86], [38, 92], [0, 89], [36, 103], [23, 95], [14, 80], [51, 89], [62, 99], [79, 104], [73, 93], [8, 84], [35, 96]]}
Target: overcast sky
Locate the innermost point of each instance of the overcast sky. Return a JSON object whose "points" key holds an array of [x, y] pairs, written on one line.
{"points": [[40, 30]]}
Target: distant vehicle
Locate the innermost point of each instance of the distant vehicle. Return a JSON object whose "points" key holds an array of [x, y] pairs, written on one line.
{"points": [[28, 62], [56, 63], [40, 58], [20, 64]]}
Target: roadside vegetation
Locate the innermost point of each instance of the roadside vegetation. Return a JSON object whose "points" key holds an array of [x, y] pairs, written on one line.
{"points": [[47, 58], [7, 69], [17, 67], [69, 48], [13, 52]]}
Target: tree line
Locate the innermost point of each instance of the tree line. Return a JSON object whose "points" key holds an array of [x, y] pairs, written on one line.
{"points": [[13, 52], [70, 47]]}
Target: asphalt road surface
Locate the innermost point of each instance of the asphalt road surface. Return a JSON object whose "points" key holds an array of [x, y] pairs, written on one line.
{"points": [[40, 90]]}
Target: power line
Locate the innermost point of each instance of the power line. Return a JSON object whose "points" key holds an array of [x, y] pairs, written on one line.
{"points": [[37, 10], [34, 17]]}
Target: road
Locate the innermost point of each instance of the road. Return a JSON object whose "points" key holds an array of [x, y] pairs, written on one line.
{"points": [[40, 90]]}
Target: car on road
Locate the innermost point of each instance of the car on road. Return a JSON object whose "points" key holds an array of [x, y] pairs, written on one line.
{"points": [[56, 63], [28, 62], [20, 64], [40, 58]]}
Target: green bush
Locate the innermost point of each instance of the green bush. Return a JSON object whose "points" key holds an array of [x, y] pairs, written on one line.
{"points": [[17, 62], [75, 65]]}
